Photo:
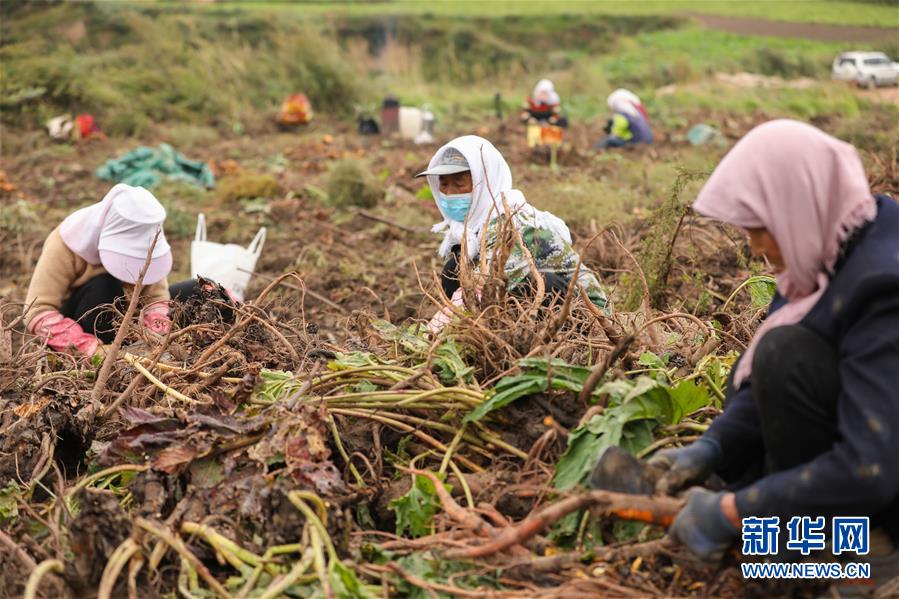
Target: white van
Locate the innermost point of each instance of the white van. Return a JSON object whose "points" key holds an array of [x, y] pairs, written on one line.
{"points": [[869, 69]]}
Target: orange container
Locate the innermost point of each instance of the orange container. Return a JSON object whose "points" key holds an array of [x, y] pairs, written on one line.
{"points": [[550, 135]]}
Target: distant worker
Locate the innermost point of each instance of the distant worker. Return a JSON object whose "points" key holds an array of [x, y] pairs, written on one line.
{"points": [[811, 422], [295, 110], [93, 259], [543, 106], [469, 180], [629, 123]]}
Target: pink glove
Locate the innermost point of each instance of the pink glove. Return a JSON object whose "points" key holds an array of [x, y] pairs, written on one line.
{"points": [[156, 317], [445, 315], [63, 334]]}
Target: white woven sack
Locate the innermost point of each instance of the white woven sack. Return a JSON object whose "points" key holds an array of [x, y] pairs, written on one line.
{"points": [[228, 264]]}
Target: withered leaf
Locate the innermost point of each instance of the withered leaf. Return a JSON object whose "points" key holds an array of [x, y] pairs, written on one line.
{"points": [[174, 458]]}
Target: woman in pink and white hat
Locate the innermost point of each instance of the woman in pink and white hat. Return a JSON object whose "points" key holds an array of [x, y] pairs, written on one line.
{"points": [[93, 258]]}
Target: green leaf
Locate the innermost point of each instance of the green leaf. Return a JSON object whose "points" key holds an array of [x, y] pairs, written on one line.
{"points": [[584, 446], [409, 339], [352, 360], [432, 567], [274, 384], [508, 390], [762, 290], [650, 360], [451, 367], [345, 584], [617, 390], [637, 435], [625, 531], [640, 406], [558, 369], [10, 496], [416, 509], [365, 386], [418, 566], [401, 456], [687, 398], [538, 375], [643, 385]]}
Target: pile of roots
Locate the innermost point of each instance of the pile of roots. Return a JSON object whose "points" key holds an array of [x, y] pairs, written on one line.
{"points": [[243, 455]]}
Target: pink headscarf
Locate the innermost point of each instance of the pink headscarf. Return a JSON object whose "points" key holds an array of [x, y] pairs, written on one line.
{"points": [[810, 192]]}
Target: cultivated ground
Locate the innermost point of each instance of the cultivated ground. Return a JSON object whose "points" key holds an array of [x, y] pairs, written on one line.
{"points": [[269, 448]]}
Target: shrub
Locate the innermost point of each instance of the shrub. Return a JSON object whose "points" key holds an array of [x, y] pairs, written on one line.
{"points": [[246, 186], [351, 183]]}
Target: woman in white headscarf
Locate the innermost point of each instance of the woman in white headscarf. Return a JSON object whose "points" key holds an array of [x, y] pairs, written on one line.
{"points": [[94, 258], [469, 180], [629, 123], [544, 105]]}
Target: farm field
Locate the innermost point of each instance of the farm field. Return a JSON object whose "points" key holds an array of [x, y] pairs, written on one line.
{"points": [[315, 441]]}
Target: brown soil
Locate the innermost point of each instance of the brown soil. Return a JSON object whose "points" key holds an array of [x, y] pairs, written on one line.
{"points": [[229, 461], [810, 31]]}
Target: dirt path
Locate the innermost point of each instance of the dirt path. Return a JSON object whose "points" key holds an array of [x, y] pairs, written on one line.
{"points": [[810, 31], [887, 95]]}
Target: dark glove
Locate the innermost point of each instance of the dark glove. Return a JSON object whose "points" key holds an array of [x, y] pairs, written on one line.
{"points": [[691, 464], [608, 128], [702, 527], [449, 277]]}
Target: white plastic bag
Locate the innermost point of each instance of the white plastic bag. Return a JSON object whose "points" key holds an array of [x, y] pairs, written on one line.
{"points": [[60, 127], [228, 264]]}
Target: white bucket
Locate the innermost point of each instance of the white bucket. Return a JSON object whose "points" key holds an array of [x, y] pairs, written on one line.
{"points": [[410, 122]]}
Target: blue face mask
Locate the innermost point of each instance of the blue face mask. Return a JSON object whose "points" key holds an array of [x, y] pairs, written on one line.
{"points": [[455, 206]]}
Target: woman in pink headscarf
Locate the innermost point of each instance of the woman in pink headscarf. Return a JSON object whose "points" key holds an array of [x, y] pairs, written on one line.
{"points": [[811, 422], [93, 258]]}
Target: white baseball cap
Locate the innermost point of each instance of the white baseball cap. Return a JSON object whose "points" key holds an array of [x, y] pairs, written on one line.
{"points": [[450, 162]]}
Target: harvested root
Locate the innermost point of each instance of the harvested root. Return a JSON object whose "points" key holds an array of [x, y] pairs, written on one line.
{"points": [[651, 510]]}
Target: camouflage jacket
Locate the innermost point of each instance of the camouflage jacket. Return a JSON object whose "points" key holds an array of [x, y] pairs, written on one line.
{"points": [[552, 255]]}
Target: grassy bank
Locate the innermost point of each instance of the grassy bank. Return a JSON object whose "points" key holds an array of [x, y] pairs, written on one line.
{"points": [[875, 14], [226, 67], [137, 67]]}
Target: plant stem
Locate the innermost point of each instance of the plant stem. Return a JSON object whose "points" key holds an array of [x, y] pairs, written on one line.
{"points": [[34, 579], [156, 382], [114, 566], [452, 449], [278, 587], [346, 457], [178, 545]]}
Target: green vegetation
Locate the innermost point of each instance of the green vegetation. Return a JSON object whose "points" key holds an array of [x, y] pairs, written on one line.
{"points": [[225, 68], [136, 67], [247, 186], [682, 55], [351, 183], [880, 14]]}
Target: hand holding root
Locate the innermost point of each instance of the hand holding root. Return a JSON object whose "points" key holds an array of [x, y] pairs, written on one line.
{"points": [[156, 318], [703, 527], [445, 315], [684, 465]]}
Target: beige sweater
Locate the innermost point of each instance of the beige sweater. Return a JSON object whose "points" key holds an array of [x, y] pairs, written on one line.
{"points": [[59, 271]]}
